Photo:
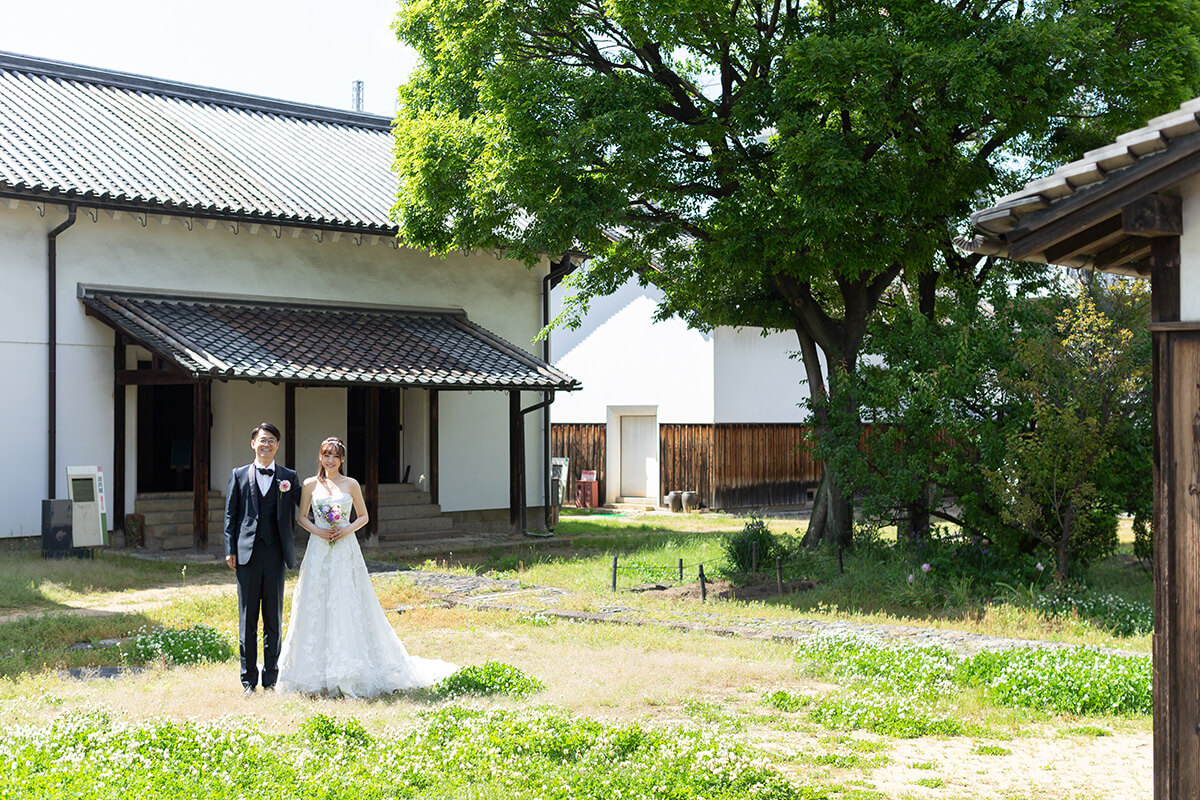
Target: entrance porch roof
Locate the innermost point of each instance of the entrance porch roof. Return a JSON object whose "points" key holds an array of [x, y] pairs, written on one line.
{"points": [[302, 341]]}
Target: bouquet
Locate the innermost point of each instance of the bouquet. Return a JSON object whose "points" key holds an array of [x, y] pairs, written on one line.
{"points": [[332, 514]]}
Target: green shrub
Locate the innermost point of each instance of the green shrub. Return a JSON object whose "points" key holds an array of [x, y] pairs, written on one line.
{"points": [[902, 717], [191, 645], [739, 546], [327, 730], [488, 679], [451, 752], [1074, 682], [786, 701], [886, 665], [1108, 611]]}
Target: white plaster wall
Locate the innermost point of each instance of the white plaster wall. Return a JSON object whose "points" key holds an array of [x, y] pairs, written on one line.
{"points": [[624, 358], [320, 413], [415, 437], [473, 472], [756, 378], [23, 359], [1189, 251], [501, 296], [237, 407], [23, 432]]}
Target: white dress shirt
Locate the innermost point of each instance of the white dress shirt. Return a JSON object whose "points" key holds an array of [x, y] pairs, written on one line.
{"points": [[264, 481]]}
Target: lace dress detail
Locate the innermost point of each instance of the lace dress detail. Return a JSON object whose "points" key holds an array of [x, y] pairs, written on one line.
{"points": [[338, 639]]}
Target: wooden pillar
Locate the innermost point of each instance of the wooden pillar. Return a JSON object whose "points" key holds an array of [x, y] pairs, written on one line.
{"points": [[1176, 411], [118, 473], [289, 425], [433, 446], [371, 489], [201, 463], [516, 463]]}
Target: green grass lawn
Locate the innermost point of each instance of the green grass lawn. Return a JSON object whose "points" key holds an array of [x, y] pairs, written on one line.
{"points": [[832, 719]]}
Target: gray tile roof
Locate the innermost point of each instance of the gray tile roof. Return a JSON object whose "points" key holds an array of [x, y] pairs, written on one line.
{"points": [[68, 131], [1160, 153], [305, 342]]}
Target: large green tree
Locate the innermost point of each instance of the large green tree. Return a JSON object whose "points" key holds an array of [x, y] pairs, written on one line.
{"points": [[778, 164]]}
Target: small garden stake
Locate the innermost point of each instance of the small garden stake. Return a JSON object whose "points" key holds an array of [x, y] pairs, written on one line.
{"points": [[703, 589]]}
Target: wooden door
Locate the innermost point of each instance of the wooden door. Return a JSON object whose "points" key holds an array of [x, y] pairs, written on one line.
{"points": [[639, 456]]}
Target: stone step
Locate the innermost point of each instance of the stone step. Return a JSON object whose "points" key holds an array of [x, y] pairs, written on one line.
{"points": [[421, 536], [413, 498], [422, 510], [398, 489], [389, 527], [215, 527], [174, 501], [179, 516]]}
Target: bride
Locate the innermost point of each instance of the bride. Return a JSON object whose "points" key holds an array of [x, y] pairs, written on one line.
{"points": [[338, 639]]}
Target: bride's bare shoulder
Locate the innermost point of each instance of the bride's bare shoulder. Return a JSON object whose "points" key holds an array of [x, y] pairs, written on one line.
{"points": [[310, 481]]}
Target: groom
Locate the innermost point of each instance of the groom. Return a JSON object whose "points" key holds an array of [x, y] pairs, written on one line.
{"points": [[260, 505]]}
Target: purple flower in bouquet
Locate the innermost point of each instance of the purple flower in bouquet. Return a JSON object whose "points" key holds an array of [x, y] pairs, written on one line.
{"points": [[332, 514]]}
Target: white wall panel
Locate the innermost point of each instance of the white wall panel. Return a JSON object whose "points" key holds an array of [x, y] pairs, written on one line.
{"points": [[320, 413], [755, 379], [623, 357]]}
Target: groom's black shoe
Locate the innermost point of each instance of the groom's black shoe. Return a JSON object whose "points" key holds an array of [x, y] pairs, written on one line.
{"points": [[247, 689], [267, 688]]}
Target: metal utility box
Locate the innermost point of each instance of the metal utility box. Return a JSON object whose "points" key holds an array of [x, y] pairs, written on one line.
{"points": [[559, 470], [586, 494], [56, 529], [89, 517]]}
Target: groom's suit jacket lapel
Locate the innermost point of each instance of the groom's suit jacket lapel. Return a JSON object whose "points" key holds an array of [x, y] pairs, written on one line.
{"points": [[252, 490]]}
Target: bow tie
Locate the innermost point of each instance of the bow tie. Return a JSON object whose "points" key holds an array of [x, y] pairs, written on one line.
{"points": [[265, 471]]}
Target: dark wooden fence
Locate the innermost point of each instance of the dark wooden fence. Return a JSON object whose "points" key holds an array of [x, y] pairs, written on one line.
{"points": [[738, 465], [583, 443], [731, 465]]}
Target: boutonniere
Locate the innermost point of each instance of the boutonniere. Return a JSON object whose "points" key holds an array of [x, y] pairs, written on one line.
{"points": [[284, 486]]}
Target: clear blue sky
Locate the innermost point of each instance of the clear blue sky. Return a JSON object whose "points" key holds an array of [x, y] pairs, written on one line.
{"points": [[304, 50]]}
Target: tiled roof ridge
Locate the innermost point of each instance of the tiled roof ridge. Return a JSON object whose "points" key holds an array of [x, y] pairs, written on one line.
{"points": [[259, 301], [64, 70]]}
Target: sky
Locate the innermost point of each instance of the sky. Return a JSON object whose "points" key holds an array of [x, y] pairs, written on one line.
{"points": [[307, 51]]}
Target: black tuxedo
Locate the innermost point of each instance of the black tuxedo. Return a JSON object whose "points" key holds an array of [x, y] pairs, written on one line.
{"points": [[258, 532]]}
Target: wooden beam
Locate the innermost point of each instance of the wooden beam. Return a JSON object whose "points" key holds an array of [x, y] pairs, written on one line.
{"points": [[118, 479], [1164, 279], [1067, 217], [371, 489], [433, 446], [201, 463], [1124, 252], [1154, 215], [151, 377], [1090, 240], [289, 425]]}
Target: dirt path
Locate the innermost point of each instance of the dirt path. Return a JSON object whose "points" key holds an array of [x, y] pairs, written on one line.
{"points": [[132, 601]]}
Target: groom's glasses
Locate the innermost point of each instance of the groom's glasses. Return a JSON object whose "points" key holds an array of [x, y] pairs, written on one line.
{"points": [[268, 440]]}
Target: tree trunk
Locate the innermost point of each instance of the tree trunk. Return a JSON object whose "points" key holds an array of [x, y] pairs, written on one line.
{"points": [[1062, 553], [832, 521]]}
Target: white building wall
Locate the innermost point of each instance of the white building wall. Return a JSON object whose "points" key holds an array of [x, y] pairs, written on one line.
{"points": [[501, 296], [757, 378], [624, 358], [1189, 251], [320, 413]]}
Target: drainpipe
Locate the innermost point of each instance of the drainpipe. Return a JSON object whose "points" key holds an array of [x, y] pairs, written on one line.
{"points": [[553, 277], [52, 339]]}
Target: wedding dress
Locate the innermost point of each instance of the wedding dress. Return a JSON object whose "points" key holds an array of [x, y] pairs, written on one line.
{"points": [[338, 639]]}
